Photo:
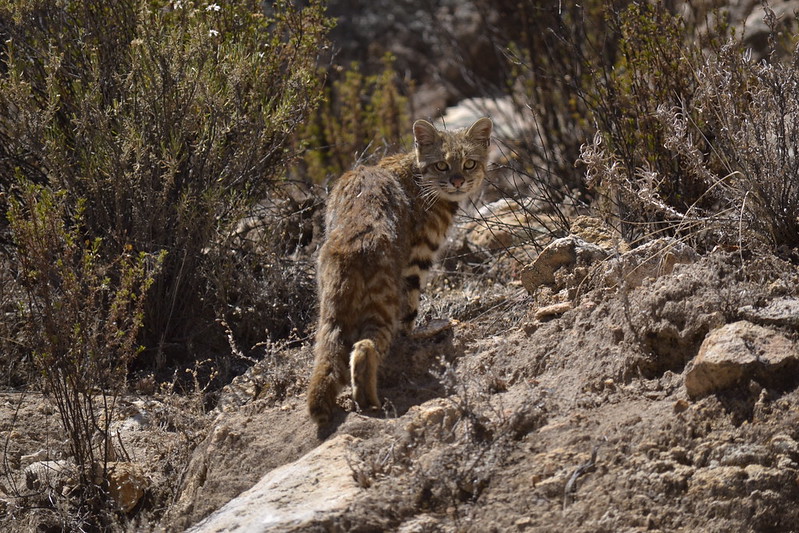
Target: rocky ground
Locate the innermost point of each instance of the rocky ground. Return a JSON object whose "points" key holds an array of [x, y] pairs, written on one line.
{"points": [[582, 387], [582, 400]]}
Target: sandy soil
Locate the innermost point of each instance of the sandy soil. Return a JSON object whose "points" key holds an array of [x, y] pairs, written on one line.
{"points": [[579, 422]]}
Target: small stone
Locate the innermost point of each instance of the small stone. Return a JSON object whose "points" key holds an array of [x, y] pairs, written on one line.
{"points": [[126, 483], [523, 521], [596, 231], [436, 417], [565, 252], [782, 312], [681, 405], [26, 460], [724, 481], [554, 310], [784, 444], [49, 474], [648, 261]]}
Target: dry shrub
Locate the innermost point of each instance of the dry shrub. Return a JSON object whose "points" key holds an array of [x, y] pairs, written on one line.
{"points": [[134, 137], [84, 314], [364, 116], [750, 110], [171, 119], [701, 144]]}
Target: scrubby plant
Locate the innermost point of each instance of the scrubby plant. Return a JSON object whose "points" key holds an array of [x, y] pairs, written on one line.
{"points": [[84, 311], [750, 110], [134, 137], [363, 116], [170, 119], [695, 138]]}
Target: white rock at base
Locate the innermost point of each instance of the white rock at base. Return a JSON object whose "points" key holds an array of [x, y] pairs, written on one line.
{"points": [[293, 497]]}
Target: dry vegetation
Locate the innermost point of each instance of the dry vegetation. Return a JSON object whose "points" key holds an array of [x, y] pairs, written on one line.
{"points": [[162, 171]]}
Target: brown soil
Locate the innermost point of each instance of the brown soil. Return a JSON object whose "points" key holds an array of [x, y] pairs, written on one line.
{"points": [[577, 423]]}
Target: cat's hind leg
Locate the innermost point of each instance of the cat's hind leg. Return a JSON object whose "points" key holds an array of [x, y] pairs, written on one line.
{"points": [[364, 361]]}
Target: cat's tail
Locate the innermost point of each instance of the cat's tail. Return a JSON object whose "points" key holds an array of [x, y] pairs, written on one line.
{"points": [[329, 373]]}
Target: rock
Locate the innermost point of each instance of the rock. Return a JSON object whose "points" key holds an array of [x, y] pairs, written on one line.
{"points": [[567, 252], [306, 494], [594, 230], [433, 328], [240, 448], [29, 459], [720, 481], [781, 312], [651, 260], [126, 483], [737, 352], [551, 311], [54, 475], [502, 110], [756, 31], [506, 223], [434, 419], [783, 444]]}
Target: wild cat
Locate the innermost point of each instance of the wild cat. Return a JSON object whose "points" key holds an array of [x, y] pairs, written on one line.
{"points": [[384, 224]]}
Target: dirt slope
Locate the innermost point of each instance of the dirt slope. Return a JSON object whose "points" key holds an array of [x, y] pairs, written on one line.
{"points": [[578, 420], [578, 423]]}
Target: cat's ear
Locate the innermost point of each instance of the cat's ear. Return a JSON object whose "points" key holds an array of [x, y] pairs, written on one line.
{"points": [[424, 133], [480, 131]]}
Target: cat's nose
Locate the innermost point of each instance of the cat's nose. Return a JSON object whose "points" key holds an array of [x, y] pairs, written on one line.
{"points": [[457, 181]]}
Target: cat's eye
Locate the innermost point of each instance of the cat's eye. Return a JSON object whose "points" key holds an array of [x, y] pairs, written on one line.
{"points": [[442, 166], [469, 164]]}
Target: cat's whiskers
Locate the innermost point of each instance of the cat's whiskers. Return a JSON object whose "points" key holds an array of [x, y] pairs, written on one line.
{"points": [[429, 195]]}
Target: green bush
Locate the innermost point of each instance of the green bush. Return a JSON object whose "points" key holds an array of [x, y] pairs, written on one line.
{"points": [[169, 119]]}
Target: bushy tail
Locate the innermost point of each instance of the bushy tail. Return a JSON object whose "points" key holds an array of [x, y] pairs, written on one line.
{"points": [[328, 375], [322, 393]]}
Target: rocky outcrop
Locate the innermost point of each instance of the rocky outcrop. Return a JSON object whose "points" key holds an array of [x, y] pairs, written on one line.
{"points": [[738, 352], [308, 493], [570, 260]]}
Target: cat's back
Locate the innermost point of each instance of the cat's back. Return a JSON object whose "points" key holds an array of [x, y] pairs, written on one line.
{"points": [[368, 209]]}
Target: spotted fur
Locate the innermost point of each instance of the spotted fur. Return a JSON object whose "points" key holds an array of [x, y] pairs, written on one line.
{"points": [[384, 225]]}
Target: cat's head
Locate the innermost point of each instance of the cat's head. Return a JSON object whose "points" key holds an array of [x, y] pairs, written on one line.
{"points": [[452, 164]]}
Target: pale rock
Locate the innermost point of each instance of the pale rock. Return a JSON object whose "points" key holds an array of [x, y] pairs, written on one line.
{"points": [[552, 311], [566, 252], [126, 483], [756, 31], [722, 481], [420, 524], [783, 312], [506, 223], [785, 445], [53, 475], [594, 230], [648, 261], [29, 459], [435, 418], [737, 352], [609, 263], [306, 494], [507, 122]]}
